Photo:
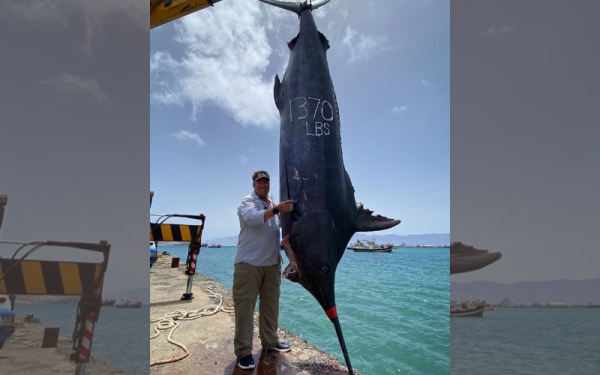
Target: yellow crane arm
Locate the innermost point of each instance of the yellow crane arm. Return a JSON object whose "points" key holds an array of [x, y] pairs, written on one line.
{"points": [[165, 11]]}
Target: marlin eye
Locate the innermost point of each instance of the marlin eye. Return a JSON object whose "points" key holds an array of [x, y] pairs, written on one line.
{"points": [[325, 270]]}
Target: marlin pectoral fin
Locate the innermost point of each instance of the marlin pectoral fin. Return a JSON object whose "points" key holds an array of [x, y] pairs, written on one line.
{"points": [[465, 258], [324, 41], [292, 43], [276, 90], [369, 223]]}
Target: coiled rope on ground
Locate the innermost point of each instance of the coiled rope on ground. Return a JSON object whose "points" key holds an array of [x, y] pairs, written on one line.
{"points": [[170, 320]]}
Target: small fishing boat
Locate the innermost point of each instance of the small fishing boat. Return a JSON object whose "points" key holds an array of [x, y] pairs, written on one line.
{"points": [[370, 247], [467, 309], [108, 302], [217, 245]]}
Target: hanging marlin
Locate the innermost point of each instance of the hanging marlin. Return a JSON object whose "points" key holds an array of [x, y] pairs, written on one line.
{"points": [[311, 169]]}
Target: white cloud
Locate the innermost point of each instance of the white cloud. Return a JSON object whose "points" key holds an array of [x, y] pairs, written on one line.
{"points": [[362, 46], [320, 12], [277, 19], [399, 108], [73, 83], [498, 31], [34, 10], [245, 159], [185, 135], [161, 63], [96, 14], [423, 80], [226, 68]]}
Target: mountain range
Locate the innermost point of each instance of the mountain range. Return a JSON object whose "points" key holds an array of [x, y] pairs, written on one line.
{"points": [[566, 291], [436, 239]]}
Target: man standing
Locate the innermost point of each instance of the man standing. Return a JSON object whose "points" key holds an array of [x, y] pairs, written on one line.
{"points": [[257, 270]]}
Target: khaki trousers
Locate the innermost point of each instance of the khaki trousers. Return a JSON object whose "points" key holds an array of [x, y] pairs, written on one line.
{"points": [[249, 282]]}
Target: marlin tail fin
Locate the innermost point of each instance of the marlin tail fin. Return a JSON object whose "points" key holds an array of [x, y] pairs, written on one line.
{"points": [[296, 7]]}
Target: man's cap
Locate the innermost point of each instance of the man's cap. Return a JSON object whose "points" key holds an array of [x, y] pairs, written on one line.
{"points": [[260, 174]]}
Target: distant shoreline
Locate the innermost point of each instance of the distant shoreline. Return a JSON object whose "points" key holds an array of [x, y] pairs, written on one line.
{"points": [[45, 299], [441, 240], [171, 243]]}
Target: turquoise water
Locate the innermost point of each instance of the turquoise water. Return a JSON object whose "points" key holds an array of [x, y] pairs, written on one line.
{"points": [[527, 341], [120, 336], [393, 308]]}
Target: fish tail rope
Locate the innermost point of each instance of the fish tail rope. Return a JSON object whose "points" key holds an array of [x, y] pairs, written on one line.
{"points": [[169, 320]]}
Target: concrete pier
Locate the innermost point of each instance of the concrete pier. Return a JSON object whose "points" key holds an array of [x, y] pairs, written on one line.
{"points": [[24, 353], [209, 339]]}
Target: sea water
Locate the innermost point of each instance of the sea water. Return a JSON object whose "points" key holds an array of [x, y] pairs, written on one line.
{"points": [[527, 341], [120, 338], [393, 308]]}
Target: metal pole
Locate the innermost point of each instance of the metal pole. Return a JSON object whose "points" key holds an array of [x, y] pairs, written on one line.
{"points": [[80, 369], [188, 292], [194, 247], [3, 200]]}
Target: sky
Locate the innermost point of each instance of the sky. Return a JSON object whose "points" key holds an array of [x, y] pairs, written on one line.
{"points": [[525, 176], [214, 120], [74, 139]]}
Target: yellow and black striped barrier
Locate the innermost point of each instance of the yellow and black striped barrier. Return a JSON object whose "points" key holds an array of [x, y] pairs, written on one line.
{"points": [[159, 231], [40, 277], [49, 277], [175, 232]]}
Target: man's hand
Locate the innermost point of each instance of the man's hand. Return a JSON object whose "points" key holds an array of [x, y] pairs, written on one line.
{"points": [[285, 206]]}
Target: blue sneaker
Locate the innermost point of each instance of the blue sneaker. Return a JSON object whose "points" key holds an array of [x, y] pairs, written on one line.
{"points": [[281, 347], [246, 363]]}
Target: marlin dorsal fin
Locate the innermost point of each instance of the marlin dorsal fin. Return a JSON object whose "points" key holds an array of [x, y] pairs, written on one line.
{"points": [[276, 89], [369, 223]]}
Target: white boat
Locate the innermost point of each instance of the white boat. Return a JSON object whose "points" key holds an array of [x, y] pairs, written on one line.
{"points": [[370, 246], [467, 309]]}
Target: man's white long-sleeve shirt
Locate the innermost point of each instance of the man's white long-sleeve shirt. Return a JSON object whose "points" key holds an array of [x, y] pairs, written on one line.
{"points": [[258, 242]]}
